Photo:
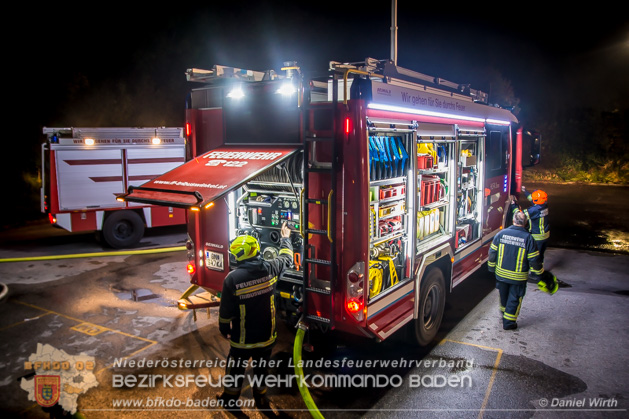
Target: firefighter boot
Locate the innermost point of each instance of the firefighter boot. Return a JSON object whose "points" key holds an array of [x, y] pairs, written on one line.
{"points": [[262, 403], [228, 402]]}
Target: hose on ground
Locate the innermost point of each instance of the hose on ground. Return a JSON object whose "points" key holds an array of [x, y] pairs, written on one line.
{"points": [[303, 389]]}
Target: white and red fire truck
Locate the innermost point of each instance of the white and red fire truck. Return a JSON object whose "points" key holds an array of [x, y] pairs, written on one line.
{"points": [[394, 182], [85, 169]]}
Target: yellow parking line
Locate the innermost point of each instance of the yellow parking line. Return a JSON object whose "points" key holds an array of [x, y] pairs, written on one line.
{"points": [[23, 321], [493, 371], [89, 329], [81, 322]]}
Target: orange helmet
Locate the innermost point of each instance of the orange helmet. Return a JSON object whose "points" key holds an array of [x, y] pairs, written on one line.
{"points": [[539, 197]]}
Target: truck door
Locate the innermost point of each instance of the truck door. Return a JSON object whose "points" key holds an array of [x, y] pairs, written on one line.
{"points": [[202, 186], [496, 193]]}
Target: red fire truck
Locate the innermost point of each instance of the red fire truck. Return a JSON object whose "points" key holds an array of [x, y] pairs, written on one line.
{"points": [[394, 182], [84, 169]]}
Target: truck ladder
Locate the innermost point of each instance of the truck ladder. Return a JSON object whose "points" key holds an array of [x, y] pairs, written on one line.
{"points": [[311, 165]]}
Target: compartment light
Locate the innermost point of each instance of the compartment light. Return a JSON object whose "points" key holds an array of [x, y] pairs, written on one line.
{"points": [[393, 108]]}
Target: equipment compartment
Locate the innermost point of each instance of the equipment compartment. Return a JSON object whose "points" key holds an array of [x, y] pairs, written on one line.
{"points": [[468, 193], [388, 208], [434, 171]]}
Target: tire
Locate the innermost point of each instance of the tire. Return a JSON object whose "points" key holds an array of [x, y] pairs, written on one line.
{"points": [[431, 305], [123, 229]]}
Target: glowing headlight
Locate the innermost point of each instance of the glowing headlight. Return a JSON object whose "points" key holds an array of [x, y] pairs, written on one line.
{"points": [[236, 93], [286, 89]]}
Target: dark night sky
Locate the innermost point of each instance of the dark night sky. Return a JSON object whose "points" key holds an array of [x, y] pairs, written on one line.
{"points": [[534, 48], [71, 65]]}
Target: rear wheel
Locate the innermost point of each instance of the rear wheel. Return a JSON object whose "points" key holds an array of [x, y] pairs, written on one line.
{"points": [[431, 305], [123, 229]]}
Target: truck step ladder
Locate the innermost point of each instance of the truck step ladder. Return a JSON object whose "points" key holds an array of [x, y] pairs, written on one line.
{"points": [[312, 285]]}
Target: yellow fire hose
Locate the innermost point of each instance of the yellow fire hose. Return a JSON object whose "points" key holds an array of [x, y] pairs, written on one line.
{"points": [[303, 389], [96, 254]]}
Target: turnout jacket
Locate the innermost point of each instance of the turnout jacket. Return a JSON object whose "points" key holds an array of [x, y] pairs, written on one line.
{"points": [[247, 310], [512, 254], [538, 220]]}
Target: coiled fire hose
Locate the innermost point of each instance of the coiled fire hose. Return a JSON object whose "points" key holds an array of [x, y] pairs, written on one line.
{"points": [[303, 389]]}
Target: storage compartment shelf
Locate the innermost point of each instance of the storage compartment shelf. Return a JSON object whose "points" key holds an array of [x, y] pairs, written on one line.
{"points": [[388, 200], [383, 239], [387, 182], [435, 204]]}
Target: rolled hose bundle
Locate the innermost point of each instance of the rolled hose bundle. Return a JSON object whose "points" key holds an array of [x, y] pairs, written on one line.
{"points": [[303, 389]]}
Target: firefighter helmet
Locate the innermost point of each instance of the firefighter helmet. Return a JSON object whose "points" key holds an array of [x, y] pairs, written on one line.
{"points": [[244, 247], [539, 197], [549, 284]]}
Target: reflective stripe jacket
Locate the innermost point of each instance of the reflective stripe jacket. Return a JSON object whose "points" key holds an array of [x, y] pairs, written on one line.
{"points": [[538, 220], [512, 254], [247, 310]]}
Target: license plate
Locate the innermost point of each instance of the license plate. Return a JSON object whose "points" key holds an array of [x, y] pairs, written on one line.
{"points": [[214, 260]]}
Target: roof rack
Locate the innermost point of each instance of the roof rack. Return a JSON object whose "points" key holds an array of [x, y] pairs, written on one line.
{"points": [[229, 73], [393, 72]]}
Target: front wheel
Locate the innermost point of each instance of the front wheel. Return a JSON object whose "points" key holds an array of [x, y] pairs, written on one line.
{"points": [[123, 229], [431, 305]]}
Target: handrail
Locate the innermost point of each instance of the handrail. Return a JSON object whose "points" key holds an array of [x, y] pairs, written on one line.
{"points": [[330, 215], [196, 194], [301, 213], [351, 70]]}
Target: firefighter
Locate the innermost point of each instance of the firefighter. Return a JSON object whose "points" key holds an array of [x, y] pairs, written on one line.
{"points": [[512, 254], [247, 313], [537, 215]]}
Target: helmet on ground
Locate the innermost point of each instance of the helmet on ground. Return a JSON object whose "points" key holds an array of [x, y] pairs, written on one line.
{"points": [[549, 284], [539, 197], [244, 247]]}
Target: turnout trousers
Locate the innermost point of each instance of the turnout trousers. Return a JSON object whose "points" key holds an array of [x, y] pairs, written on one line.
{"points": [[236, 365], [510, 301], [541, 246]]}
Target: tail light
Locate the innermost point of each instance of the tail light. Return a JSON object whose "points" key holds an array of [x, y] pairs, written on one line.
{"points": [[191, 267], [188, 129], [355, 291]]}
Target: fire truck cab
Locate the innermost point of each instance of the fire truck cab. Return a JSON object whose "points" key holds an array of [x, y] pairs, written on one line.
{"points": [[394, 183]]}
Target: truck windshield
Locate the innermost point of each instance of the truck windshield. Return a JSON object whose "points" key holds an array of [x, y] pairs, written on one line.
{"points": [[261, 113]]}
